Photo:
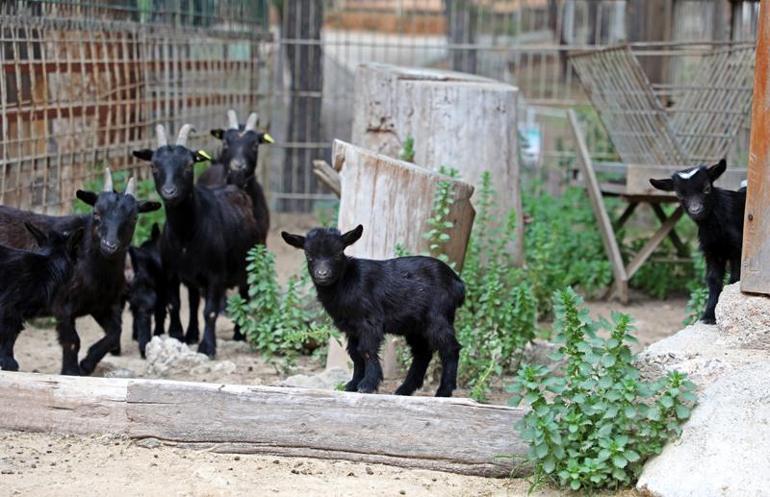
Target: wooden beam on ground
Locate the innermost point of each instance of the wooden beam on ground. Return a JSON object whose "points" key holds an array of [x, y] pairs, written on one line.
{"points": [[455, 435], [755, 262], [653, 242]]}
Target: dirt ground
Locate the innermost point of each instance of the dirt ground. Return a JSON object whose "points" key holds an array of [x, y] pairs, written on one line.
{"points": [[42, 465]]}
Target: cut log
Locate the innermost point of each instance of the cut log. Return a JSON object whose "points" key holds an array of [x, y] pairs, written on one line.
{"points": [[456, 435], [457, 120], [393, 200]]}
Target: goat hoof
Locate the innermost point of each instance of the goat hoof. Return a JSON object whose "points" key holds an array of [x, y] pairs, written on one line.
{"points": [[352, 386], [404, 390], [191, 338], [116, 352], [364, 388], [709, 320], [444, 392], [9, 364], [86, 368], [207, 349], [239, 337], [70, 371]]}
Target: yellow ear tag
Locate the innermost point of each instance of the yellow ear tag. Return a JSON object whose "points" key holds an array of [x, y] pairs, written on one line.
{"points": [[205, 154], [268, 138]]}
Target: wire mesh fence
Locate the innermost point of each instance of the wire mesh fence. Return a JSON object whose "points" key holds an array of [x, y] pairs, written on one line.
{"points": [[84, 82]]}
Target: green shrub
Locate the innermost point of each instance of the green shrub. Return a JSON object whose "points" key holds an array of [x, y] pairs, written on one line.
{"points": [[593, 422], [276, 322]]}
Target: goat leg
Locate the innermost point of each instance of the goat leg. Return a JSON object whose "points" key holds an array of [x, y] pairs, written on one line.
{"points": [[369, 348], [110, 321], [715, 275], [450, 357], [211, 311], [9, 331], [358, 365], [175, 324], [193, 331], [70, 345], [243, 289], [421, 356]]}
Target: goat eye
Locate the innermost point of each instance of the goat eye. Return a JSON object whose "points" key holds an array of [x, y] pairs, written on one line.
{"points": [[707, 189], [309, 259]]}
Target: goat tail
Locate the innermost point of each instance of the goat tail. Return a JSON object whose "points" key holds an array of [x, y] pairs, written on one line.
{"points": [[458, 291]]}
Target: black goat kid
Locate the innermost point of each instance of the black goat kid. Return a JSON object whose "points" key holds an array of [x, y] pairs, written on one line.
{"points": [[207, 234], [411, 296], [146, 293], [30, 281], [719, 216], [97, 281]]}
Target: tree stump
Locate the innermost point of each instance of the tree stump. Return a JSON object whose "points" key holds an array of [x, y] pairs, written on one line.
{"points": [[393, 200], [457, 120]]}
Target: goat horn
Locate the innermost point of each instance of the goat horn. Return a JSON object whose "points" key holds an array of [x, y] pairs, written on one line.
{"points": [[108, 180], [131, 187], [232, 119], [160, 132], [251, 123], [183, 133]]}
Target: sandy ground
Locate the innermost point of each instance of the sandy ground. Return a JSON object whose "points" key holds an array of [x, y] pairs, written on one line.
{"points": [[54, 465], [42, 465]]}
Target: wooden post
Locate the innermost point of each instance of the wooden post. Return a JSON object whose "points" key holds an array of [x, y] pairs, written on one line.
{"points": [[393, 200], [755, 270], [455, 435], [457, 120]]}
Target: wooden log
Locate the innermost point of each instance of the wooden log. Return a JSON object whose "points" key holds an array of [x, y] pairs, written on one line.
{"points": [[456, 435], [327, 175], [457, 120], [755, 262]]}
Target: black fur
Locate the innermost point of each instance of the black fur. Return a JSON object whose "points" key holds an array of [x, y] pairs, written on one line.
{"points": [[416, 297], [204, 243], [146, 293], [30, 281], [719, 216], [96, 284]]}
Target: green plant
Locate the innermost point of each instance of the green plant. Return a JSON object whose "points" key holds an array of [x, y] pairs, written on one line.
{"points": [[439, 222], [698, 292], [593, 422], [276, 322], [407, 150]]}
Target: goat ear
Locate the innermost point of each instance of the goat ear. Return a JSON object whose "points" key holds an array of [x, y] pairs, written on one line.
{"points": [[40, 237], [266, 138], [717, 169], [87, 197], [218, 133], [202, 156], [666, 185], [296, 241], [145, 154], [148, 206], [73, 240], [353, 235]]}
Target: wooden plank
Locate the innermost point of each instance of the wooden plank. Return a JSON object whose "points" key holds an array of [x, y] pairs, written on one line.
{"points": [[456, 435], [328, 176], [638, 179], [600, 211], [62, 404], [681, 248], [755, 271], [653, 242]]}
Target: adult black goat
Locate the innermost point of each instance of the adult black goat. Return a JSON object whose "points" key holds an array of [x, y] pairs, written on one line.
{"points": [[97, 281], [30, 281], [146, 289], [719, 216], [411, 296], [207, 235], [236, 164]]}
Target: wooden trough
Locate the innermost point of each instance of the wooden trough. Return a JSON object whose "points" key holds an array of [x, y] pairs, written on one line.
{"points": [[455, 435]]}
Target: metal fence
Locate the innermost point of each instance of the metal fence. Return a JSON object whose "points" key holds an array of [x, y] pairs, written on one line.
{"points": [[84, 82]]}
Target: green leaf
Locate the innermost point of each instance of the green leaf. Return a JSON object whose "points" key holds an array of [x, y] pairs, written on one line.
{"points": [[541, 451], [631, 455], [549, 465], [682, 412], [619, 461]]}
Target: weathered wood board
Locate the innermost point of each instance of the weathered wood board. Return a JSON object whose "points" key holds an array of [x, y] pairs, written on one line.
{"points": [[755, 270], [457, 120], [456, 435]]}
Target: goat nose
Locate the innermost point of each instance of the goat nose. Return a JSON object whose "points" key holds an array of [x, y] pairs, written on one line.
{"points": [[237, 165], [322, 273], [108, 246], [168, 191]]}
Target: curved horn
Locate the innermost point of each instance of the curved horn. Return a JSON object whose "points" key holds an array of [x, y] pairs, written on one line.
{"points": [[131, 187], [183, 133], [251, 123], [232, 119], [160, 132], [108, 180]]}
